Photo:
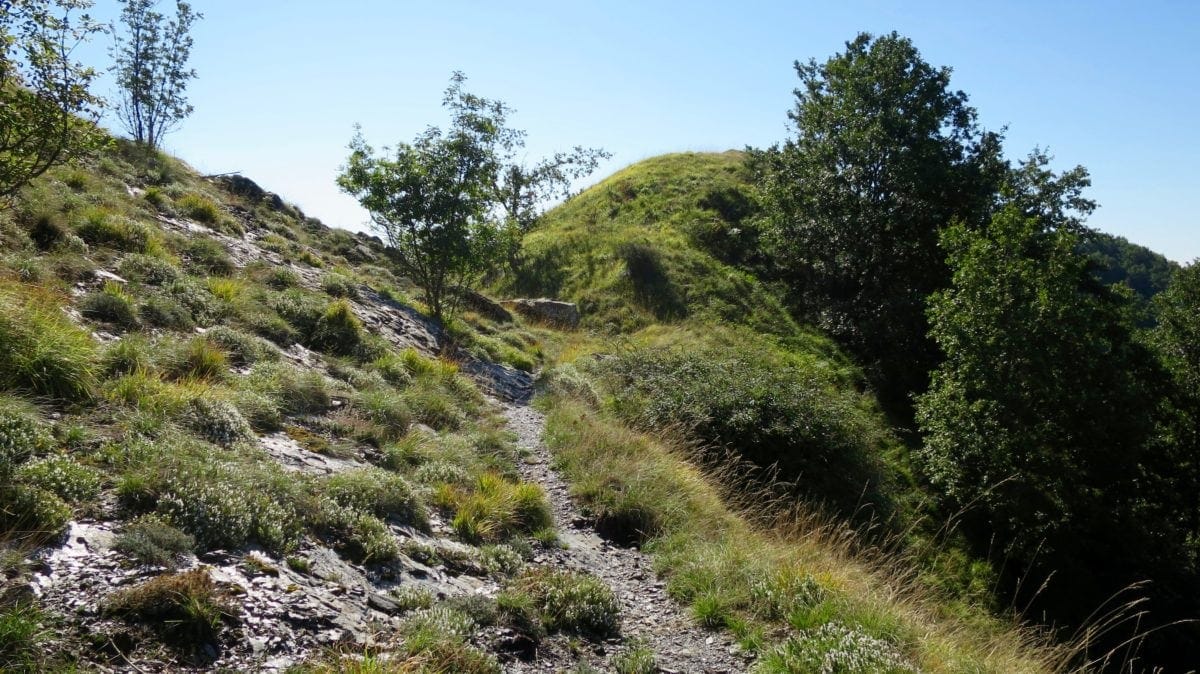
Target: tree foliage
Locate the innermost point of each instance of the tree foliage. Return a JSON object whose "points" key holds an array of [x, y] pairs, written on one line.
{"points": [[47, 113], [151, 68], [453, 203], [885, 156], [1044, 422]]}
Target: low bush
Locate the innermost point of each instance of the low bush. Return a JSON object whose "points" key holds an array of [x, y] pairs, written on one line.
{"points": [[151, 540], [834, 648], [206, 255], [295, 391], [198, 208], [165, 312], [356, 534], [242, 348], [338, 330], [110, 304], [217, 421], [22, 437], [282, 278], [201, 306], [340, 286], [637, 659], [376, 491], [148, 269], [33, 512], [101, 227], [63, 477], [566, 601]]}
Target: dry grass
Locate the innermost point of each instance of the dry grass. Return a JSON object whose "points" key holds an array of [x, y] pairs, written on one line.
{"points": [[741, 566]]}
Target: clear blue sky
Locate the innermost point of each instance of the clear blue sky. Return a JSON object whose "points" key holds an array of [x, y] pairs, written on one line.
{"points": [[1114, 86]]}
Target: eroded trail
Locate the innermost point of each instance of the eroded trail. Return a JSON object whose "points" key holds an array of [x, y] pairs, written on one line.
{"points": [[648, 614]]}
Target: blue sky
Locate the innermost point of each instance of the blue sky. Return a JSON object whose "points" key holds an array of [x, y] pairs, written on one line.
{"points": [[1110, 85]]}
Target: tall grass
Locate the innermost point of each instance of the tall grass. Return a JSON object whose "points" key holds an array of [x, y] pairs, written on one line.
{"points": [[41, 351], [768, 583]]}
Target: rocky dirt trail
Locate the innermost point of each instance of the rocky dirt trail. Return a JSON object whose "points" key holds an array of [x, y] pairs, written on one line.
{"points": [[648, 615]]}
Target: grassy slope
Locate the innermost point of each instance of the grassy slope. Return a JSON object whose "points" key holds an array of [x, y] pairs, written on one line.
{"points": [[638, 252], [153, 427]]}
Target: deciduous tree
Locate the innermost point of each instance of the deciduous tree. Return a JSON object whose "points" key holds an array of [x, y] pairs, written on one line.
{"points": [[47, 113], [151, 68]]}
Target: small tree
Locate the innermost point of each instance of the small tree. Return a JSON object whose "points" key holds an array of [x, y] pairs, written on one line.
{"points": [[151, 68], [452, 204], [432, 198], [47, 114]]}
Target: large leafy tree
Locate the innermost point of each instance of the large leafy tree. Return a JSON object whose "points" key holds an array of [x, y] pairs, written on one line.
{"points": [[885, 156], [151, 67], [1043, 423], [47, 113]]}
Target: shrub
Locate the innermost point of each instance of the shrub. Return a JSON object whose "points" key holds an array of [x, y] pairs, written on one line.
{"points": [[501, 560], [338, 330], [339, 286], [148, 269], [21, 437], [227, 507], [434, 407], [498, 508], [260, 411], [111, 304], [41, 351], [46, 229], [217, 421], [156, 198], [567, 601], [386, 408], [207, 255], [375, 491], [638, 659], [197, 358], [151, 540], [62, 477], [834, 648], [165, 312], [243, 348], [282, 278], [359, 535], [103, 228], [198, 208], [441, 472], [185, 607], [33, 511], [295, 391], [410, 598], [200, 304]]}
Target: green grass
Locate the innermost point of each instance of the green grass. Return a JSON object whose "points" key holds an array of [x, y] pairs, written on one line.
{"points": [[641, 246], [41, 351], [494, 509]]}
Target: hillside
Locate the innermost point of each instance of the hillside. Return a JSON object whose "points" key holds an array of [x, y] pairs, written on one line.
{"points": [[233, 439]]}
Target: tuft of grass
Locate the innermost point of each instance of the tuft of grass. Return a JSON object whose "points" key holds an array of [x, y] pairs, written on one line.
{"points": [[242, 348], [110, 304], [338, 330], [206, 255], [41, 351], [196, 359], [198, 208], [22, 633], [186, 608], [497, 509], [148, 269], [637, 659], [295, 391], [339, 286]]}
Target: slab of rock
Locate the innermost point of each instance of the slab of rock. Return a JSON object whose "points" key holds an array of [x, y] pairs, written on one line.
{"points": [[485, 306], [545, 310]]}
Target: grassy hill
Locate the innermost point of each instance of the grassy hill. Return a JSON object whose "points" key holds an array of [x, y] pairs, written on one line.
{"points": [[699, 420]]}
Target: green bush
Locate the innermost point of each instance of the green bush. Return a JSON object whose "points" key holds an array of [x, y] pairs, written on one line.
{"points": [[376, 491], [260, 411], [567, 601], [41, 351], [227, 506], [21, 438], [834, 648], [243, 348], [359, 535], [295, 391], [151, 540], [62, 477], [200, 304], [339, 286], [282, 278], [197, 358], [207, 255], [773, 412], [217, 421], [103, 228], [32, 511], [110, 304], [165, 312], [198, 208], [338, 330], [148, 269]]}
